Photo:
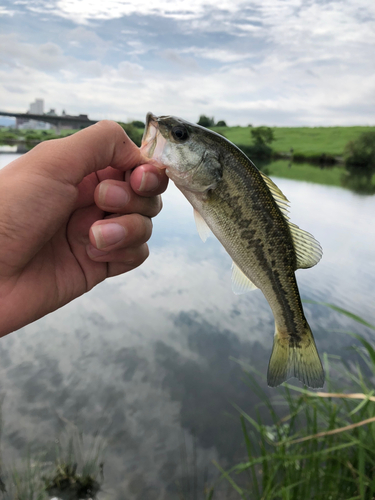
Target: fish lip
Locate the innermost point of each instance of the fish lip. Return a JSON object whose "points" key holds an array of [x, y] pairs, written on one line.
{"points": [[152, 142], [149, 137], [151, 119]]}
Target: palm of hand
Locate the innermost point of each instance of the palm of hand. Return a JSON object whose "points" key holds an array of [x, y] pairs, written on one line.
{"points": [[61, 269]]}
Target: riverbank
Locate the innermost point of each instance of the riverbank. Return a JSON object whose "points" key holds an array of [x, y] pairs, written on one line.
{"points": [[300, 143], [303, 143], [300, 153]]}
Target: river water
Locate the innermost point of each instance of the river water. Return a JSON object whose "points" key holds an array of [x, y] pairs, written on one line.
{"points": [[149, 360]]}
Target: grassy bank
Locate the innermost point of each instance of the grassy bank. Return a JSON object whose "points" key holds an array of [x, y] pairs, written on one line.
{"points": [[323, 448], [308, 141], [32, 137], [312, 148], [10, 135]]}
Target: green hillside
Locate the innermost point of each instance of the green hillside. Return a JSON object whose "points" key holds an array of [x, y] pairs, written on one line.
{"points": [[303, 140]]}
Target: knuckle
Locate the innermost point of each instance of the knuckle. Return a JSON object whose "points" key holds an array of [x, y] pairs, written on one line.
{"points": [[146, 252], [134, 257], [142, 254], [154, 206], [147, 228], [110, 126], [141, 227], [159, 204], [44, 146]]}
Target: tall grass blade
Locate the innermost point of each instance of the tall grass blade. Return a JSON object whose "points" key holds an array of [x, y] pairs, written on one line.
{"points": [[356, 318]]}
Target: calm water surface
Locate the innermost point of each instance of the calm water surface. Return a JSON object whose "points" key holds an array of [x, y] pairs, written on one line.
{"points": [[145, 360]]}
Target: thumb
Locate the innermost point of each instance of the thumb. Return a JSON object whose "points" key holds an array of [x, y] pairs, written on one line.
{"points": [[90, 150]]}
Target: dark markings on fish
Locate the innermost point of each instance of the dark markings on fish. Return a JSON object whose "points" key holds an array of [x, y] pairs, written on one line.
{"points": [[275, 226], [237, 203]]}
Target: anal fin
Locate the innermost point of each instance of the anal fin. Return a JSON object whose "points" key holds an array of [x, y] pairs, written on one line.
{"points": [[240, 282]]}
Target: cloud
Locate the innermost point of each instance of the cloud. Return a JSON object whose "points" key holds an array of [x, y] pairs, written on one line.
{"points": [[5, 12], [221, 55], [290, 62], [86, 10], [45, 57]]}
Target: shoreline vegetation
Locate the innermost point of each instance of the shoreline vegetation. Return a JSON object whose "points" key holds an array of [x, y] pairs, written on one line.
{"points": [[340, 156], [301, 144], [318, 445]]}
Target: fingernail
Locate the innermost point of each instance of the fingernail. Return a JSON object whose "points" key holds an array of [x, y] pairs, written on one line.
{"points": [[149, 182], [112, 196], [94, 252], [108, 234]]}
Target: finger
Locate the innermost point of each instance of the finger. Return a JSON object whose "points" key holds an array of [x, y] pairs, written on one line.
{"points": [[120, 232], [130, 256], [148, 180], [89, 150], [86, 187], [119, 197], [110, 173], [116, 268]]}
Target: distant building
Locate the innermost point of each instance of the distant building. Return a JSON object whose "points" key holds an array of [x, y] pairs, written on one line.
{"points": [[49, 120], [35, 108], [52, 112]]}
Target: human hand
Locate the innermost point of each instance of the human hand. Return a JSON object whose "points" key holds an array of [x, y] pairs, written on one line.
{"points": [[56, 238]]}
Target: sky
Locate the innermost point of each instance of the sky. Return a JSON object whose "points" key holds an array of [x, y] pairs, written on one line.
{"points": [[259, 62]]}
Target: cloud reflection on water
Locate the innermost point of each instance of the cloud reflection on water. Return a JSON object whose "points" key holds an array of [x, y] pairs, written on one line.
{"points": [[144, 358]]}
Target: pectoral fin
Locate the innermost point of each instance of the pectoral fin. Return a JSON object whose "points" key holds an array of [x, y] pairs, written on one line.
{"points": [[240, 282], [308, 250], [203, 230]]}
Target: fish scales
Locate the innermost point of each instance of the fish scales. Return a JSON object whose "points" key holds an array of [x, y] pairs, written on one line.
{"points": [[250, 236], [235, 200]]}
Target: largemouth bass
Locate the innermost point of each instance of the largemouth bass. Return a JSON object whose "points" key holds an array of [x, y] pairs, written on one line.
{"points": [[248, 213]]}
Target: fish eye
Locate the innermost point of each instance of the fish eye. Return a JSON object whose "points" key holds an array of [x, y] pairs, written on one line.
{"points": [[180, 133]]}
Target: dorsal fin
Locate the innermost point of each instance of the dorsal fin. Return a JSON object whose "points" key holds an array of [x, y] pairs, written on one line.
{"points": [[281, 200], [308, 250]]}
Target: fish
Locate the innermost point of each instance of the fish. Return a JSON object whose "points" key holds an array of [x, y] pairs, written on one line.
{"points": [[248, 214]]}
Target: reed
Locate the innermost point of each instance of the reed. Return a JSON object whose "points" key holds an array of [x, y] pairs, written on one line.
{"points": [[323, 445]]}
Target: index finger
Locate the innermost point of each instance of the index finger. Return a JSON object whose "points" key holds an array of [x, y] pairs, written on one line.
{"points": [[148, 180], [145, 180]]}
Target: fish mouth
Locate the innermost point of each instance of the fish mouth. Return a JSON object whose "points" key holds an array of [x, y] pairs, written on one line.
{"points": [[151, 129], [153, 142]]}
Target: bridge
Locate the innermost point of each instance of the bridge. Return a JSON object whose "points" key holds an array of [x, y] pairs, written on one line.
{"points": [[63, 121]]}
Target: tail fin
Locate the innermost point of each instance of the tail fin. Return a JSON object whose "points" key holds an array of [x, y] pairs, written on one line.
{"points": [[300, 359]]}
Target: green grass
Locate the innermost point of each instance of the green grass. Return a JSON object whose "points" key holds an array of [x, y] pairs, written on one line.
{"points": [[75, 474], [8, 135], [323, 448], [308, 141], [303, 140]]}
